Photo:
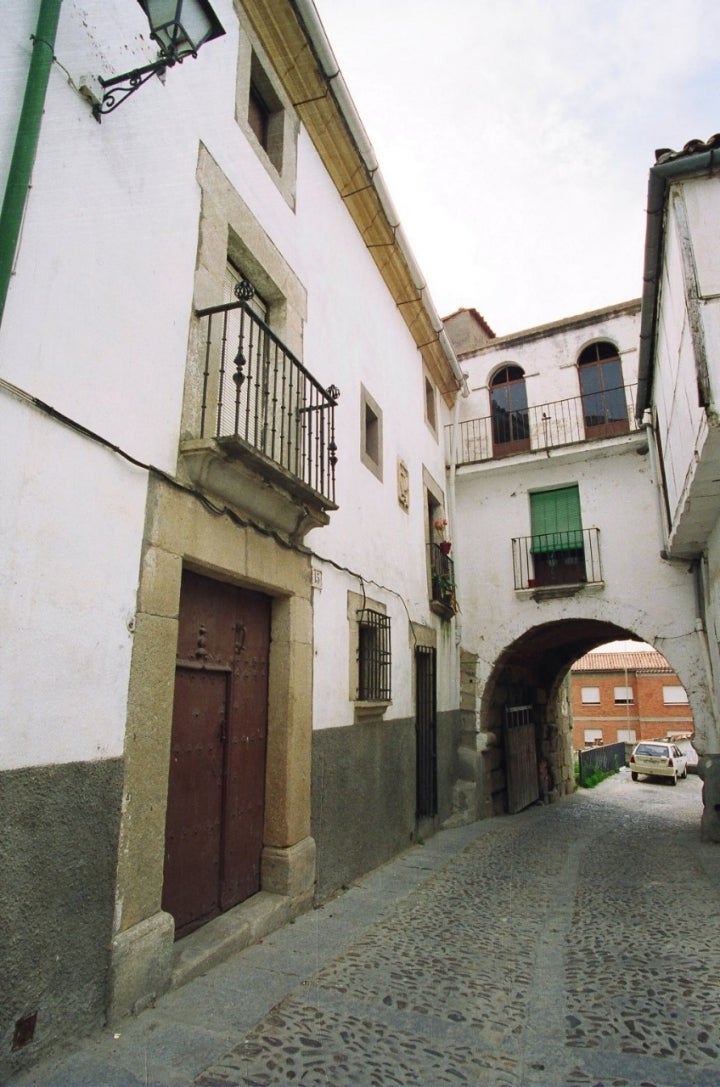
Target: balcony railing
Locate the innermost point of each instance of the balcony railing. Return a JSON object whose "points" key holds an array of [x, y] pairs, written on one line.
{"points": [[256, 392], [552, 559], [584, 418], [442, 576]]}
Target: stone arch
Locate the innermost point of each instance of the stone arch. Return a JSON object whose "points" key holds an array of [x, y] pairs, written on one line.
{"points": [[531, 671]]}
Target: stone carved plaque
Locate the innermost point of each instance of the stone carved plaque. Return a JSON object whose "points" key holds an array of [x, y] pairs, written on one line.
{"points": [[403, 485]]}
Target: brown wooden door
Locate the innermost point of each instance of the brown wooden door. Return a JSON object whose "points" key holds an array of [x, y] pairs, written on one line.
{"points": [[523, 783], [216, 786]]}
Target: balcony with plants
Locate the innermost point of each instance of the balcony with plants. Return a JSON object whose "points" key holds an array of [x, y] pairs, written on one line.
{"points": [[443, 600]]}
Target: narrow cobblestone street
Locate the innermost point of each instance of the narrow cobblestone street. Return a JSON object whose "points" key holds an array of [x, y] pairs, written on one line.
{"points": [[576, 944]]}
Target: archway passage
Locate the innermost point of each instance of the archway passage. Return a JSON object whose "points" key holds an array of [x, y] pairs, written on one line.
{"points": [[526, 713]]}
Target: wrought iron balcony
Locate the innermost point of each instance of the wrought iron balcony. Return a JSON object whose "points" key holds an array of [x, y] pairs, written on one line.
{"points": [[553, 559], [442, 578], [257, 395], [601, 414]]}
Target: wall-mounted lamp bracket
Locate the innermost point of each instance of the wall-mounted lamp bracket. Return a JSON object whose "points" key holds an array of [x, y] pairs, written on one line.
{"points": [[179, 28], [125, 85]]}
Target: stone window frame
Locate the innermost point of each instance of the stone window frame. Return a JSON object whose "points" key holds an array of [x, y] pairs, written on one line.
{"points": [[230, 233], [256, 76], [371, 433]]}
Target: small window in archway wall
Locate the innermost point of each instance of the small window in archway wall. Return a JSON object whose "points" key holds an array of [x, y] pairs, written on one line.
{"points": [[603, 393]]}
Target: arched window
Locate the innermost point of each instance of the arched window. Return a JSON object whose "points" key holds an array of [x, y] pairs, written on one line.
{"points": [[603, 393], [509, 411]]}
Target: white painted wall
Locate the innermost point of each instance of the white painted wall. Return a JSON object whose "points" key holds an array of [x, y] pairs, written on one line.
{"points": [[693, 209], [691, 253], [549, 359], [643, 594], [355, 335], [96, 325], [70, 538]]}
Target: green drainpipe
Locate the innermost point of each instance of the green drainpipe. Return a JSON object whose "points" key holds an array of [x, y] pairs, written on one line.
{"points": [[26, 141]]}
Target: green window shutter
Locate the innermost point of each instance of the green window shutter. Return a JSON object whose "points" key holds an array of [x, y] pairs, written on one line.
{"points": [[555, 519]]}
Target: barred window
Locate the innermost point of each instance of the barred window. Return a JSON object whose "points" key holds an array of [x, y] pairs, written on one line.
{"points": [[374, 656]]}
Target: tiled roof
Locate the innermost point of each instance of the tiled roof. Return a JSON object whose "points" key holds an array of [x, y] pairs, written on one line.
{"points": [[478, 317], [692, 147], [645, 661]]}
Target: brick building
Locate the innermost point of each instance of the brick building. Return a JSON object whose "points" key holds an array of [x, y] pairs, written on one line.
{"points": [[627, 696]]}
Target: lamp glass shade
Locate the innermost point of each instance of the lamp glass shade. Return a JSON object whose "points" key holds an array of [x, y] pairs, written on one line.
{"points": [[180, 27]]}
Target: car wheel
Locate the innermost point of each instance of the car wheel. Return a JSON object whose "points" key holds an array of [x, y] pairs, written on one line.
{"points": [[673, 779], [685, 772], [633, 775]]}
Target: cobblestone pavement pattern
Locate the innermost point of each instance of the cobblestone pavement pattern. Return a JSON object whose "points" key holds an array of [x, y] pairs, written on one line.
{"points": [[576, 945]]}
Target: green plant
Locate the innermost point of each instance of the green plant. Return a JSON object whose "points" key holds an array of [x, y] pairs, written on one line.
{"points": [[594, 779], [444, 591]]}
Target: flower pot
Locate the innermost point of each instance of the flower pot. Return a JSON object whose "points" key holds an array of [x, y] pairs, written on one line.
{"points": [[445, 546]]}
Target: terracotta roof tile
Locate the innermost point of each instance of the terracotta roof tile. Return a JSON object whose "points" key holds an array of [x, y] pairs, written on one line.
{"points": [[645, 661], [692, 147]]}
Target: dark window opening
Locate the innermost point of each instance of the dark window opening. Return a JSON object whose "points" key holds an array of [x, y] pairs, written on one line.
{"points": [[603, 395], [258, 116], [430, 413], [372, 434], [509, 410]]}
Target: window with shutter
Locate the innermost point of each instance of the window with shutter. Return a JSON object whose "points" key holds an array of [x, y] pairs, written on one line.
{"points": [[556, 544], [556, 520]]}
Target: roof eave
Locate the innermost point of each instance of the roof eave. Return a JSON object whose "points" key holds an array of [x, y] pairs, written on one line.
{"points": [[662, 175]]}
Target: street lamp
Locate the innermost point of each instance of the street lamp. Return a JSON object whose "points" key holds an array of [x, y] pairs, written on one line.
{"points": [[179, 27]]}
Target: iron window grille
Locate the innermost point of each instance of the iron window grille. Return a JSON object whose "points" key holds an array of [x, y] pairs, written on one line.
{"points": [[374, 656]]}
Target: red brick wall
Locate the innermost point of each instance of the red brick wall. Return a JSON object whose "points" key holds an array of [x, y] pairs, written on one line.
{"points": [[648, 715]]}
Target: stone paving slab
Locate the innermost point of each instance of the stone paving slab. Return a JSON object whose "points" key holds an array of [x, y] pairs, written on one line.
{"points": [[501, 955]]}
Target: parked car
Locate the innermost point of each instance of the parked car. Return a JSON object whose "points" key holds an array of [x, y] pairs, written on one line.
{"points": [[656, 758]]}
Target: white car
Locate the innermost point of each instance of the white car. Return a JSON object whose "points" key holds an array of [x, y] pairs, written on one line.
{"points": [[658, 758]]}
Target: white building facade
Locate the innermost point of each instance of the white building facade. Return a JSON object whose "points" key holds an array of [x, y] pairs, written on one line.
{"points": [[679, 389], [232, 681], [556, 498], [283, 589]]}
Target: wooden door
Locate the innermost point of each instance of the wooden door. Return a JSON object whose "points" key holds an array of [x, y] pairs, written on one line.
{"points": [[521, 769], [216, 785]]}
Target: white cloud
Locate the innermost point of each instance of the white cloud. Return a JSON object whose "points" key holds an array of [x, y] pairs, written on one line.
{"points": [[516, 136]]}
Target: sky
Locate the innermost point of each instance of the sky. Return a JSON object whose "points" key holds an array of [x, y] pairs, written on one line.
{"points": [[516, 136]]}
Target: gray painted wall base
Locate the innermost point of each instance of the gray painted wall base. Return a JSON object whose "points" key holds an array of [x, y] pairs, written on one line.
{"points": [[363, 794], [58, 856]]}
